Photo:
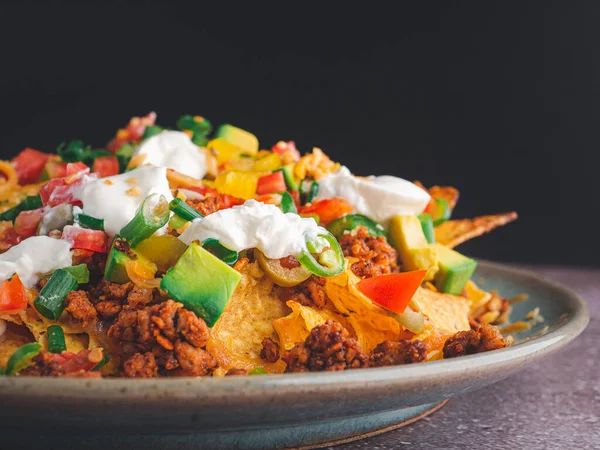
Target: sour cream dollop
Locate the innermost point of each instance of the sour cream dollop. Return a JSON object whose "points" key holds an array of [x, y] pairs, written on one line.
{"points": [[256, 225], [379, 198], [33, 257], [116, 199], [175, 150]]}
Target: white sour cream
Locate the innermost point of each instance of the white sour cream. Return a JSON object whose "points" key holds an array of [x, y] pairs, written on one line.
{"points": [[33, 257], [56, 218], [175, 150], [255, 225], [116, 199], [379, 198]]}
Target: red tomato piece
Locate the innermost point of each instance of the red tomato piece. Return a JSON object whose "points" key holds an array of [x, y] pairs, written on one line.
{"points": [[269, 199], [77, 168], [79, 362], [8, 237], [82, 238], [47, 189], [26, 222], [230, 201], [283, 147], [29, 165], [328, 209], [296, 197], [56, 169], [273, 182], [106, 166], [393, 291], [12, 295], [204, 190]]}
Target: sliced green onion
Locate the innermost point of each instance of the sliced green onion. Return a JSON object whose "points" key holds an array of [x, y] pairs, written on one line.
{"points": [[31, 202], [85, 221], [199, 140], [312, 192], [333, 258], [105, 360], [80, 272], [196, 124], [176, 222], [287, 203], [152, 130], [74, 151], [183, 210], [21, 358], [56, 339], [351, 221], [150, 217], [220, 251], [50, 302], [258, 371], [124, 154]]}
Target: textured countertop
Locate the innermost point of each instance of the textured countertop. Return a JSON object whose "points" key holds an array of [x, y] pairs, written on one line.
{"points": [[554, 404]]}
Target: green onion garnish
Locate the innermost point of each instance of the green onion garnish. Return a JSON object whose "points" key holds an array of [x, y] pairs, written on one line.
{"points": [[176, 222], [56, 339], [200, 140], [124, 154], [80, 272], [31, 202], [85, 221], [50, 302], [287, 203], [312, 192], [220, 251], [150, 217], [196, 124], [183, 210], [152, 130], [21, 358]]}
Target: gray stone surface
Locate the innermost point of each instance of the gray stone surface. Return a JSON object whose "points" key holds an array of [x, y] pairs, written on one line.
{"points": [[554, 404]]}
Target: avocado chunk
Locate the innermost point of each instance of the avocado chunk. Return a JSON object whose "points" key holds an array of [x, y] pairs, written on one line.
{"points": [[441, 212], [241, 138], [454, 270], [407, 237], [115, 270], [202, 282], [427, 226]]}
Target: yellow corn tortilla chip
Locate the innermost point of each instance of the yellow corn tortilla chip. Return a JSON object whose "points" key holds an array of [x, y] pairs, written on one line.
{"points": [[448, 193], [447, 313], [295, 327], [13, 318], [476, 296], [236, 339], [455, 232], [75, 338], [9, 342]]}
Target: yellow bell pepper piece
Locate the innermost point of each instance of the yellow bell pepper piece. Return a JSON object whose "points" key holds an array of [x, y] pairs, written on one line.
{"points": [[226, 151], [268, 163], [238, 184], [242, 164]]}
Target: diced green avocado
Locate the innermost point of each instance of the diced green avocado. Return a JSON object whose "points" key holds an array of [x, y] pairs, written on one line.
{"points": [[292, 183], [115, 266], [407, 237], [202, 282], [427, 226], [455, 270], [441, 212], [241, 138]]}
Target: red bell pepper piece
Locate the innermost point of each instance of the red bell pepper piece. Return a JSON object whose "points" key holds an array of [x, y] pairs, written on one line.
{"points": [[328, 209], [76, 168], [26, 222], [283, 147], [230, 201], [29, 165], [85, 239], [12, 295], [393, 291], [273, 182], [106, 166]]}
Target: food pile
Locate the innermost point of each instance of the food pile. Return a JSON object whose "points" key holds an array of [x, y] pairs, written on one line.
{"points": [[193, 252]]}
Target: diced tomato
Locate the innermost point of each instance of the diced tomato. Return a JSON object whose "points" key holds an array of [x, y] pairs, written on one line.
{"points": [[204, 190], [12, 295], [269, 199], [8, 237], [56, 169], [105, 166], [85, 239], [296, 197], [283, 147], [26, 222], [273, 182], [76, 168], [71, 362], [62, 190], [29, 165], [47, 189], [133, 132], [230, 201], [328, 209], [61, 358], [393, 291]]}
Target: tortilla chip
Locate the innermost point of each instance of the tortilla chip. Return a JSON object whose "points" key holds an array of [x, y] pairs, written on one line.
{"points": [[476, 296], [455, 232], [447, 313], [13, 318], [9, 342], [370, 323], [75, 338], [296, 326], [448, 193], [236, 339]]}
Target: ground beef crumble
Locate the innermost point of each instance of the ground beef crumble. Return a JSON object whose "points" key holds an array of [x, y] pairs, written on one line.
{"points": [[308, 293], [375, 256], [206, 206], [394, 353], [43, 366], [78, 305], [484, 339], [327, 348], [270, 350]]}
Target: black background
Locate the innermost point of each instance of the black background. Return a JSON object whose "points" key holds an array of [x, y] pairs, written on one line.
{"points": [[496, 98]]}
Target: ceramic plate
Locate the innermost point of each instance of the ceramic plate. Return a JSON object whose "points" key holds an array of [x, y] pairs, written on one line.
{"points": [[280, 411]]}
